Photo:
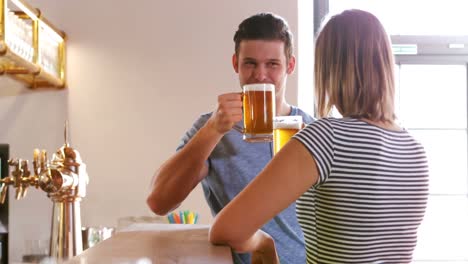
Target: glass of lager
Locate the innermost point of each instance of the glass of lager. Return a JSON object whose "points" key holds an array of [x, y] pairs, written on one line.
{"points": [[284, 128], [259, 110]]}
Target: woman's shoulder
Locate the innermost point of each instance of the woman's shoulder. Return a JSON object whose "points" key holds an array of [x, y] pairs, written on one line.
{"points": [[332, 121]]}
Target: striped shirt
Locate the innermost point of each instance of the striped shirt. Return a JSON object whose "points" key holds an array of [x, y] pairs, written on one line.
{"points": [[370, 196]]}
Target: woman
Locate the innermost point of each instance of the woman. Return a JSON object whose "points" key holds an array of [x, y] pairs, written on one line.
{"points": [[361, 181]]}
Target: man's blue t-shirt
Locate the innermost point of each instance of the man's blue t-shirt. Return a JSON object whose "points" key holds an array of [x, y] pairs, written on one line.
{"points": [[231, 166]]}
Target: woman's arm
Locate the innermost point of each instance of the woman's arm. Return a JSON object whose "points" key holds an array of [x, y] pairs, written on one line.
{"points": [[289, 174]]}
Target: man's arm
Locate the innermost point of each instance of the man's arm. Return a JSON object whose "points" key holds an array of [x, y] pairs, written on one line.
{"points": [[177, 177], [290, 173]]}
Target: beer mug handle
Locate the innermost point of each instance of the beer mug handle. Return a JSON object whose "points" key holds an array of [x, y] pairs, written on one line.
{"points": [[237, 128]]}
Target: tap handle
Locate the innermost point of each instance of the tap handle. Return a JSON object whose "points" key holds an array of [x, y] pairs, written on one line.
{"points": [[24, 191], [19, 192], [3, 192], [25, 179], [36, 164], [17, 168], [13, 162], [24, 167], [17, 171], [43, 160]]}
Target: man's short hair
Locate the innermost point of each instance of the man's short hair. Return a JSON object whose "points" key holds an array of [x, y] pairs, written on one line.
{"points": [[265, 26]]}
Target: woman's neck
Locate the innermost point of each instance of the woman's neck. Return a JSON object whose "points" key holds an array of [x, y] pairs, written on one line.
{"points": [[389, 125]]}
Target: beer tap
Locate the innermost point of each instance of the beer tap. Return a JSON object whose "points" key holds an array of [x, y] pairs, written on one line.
{"points": [[10, 180], [64, 179], [15, 179], [25, 178]]}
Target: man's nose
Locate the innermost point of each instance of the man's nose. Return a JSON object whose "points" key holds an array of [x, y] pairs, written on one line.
{"points": [[260, 73]]}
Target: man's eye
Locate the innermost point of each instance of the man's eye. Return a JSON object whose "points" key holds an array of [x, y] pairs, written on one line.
{"points": [[273, 64]]}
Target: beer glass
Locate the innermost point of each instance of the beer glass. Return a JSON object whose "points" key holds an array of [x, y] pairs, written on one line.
{"points": [[284, 128], [259, 110]]}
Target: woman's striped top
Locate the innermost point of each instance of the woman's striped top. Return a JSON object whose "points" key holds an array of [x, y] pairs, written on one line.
{"points": [[370, 196]]}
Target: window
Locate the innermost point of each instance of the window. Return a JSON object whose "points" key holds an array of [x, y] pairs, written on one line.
{"points": [[432, 103], [398, 16]]}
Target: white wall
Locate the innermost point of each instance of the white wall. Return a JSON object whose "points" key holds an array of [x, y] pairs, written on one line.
{"points": [[139, 73]]}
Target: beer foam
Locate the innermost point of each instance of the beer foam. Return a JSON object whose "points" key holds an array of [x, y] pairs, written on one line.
{"points": [[259, 87], [287, 122]]}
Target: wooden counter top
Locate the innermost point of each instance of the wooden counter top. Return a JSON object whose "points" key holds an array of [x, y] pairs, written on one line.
{"points": [[157, 244]]}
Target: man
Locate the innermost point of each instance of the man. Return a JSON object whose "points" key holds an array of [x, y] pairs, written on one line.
{"points": [[213, 153]]}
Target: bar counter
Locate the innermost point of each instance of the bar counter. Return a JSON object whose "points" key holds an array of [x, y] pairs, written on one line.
{"points": [[156, 244]]}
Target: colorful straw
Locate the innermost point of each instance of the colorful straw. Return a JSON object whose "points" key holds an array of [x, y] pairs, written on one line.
{"points": [[182, 217]]}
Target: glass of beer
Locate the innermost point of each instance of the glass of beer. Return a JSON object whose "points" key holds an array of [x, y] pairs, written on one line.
{"points": [[259, 110], [284, 128]]}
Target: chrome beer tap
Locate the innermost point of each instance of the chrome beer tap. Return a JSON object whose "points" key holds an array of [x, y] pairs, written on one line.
{"points": [[64, 179]]}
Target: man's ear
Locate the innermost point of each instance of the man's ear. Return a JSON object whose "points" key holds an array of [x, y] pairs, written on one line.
{"points": [[291, 65], [235, 63]]}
